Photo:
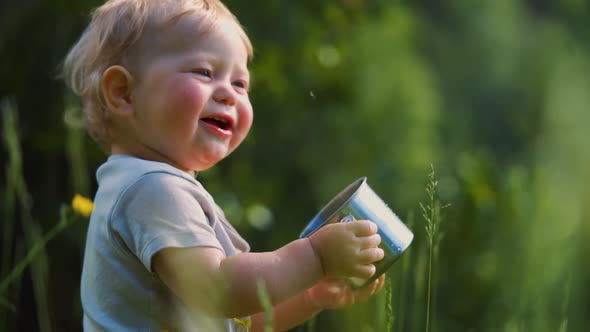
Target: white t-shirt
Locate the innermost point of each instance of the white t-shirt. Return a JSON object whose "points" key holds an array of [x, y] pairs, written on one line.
{"points": [[142, 207]]}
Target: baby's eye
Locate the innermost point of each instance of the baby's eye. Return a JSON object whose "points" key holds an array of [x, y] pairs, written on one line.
{"points": [[241, 84], [202, 71]]}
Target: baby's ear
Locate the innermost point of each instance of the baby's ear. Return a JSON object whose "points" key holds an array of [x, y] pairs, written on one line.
{"points": [[116, 85]]}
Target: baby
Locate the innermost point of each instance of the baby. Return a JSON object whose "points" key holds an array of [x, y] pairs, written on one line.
{"points": [[164, 86]]}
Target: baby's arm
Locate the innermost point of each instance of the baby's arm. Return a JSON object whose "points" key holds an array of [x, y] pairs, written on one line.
{"points": [[288, 314], [330, 293], [205, 279]]}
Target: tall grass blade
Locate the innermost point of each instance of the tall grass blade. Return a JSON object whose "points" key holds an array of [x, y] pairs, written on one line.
{"points": [[75, 148], [431, 214], [34, 251], [266, 303], [419, 295], [32, 231], [9, 139], [311, 324], [389, 304], [404, 284]]}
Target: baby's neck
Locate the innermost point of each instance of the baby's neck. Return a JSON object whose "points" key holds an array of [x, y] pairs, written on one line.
{"points": [[146, 153]]}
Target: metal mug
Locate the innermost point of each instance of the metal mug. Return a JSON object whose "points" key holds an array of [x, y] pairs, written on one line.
{"points": [[358, 201]]}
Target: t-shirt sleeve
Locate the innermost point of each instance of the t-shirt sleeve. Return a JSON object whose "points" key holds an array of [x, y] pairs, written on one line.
{"points": [[161, 210]]}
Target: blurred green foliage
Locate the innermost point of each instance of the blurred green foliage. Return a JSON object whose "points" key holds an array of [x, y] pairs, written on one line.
{"points": [[494, 93]]}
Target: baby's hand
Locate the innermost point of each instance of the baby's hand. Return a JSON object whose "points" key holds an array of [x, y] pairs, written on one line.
{"points": [[348, 249], [336, 293]]}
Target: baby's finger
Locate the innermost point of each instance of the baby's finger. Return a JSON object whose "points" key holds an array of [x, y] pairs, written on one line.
{"points": [[369, 290], [380, 282], [363, 227], [371, 241], [363, 293], [371, 255], [363, 271]]}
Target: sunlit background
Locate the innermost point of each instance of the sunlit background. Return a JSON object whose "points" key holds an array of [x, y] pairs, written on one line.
{"points": [[494, 94]]}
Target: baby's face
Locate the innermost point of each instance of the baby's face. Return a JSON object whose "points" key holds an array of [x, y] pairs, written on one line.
{"points": [[191, 96]]}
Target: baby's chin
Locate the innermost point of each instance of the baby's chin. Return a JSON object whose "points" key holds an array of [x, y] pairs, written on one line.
{"points": [[203, 162]]}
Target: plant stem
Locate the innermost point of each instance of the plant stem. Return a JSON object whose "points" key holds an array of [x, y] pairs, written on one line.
{"points": [[266, 306], [389, 304], [20, 267], [431, 214], [428, 292], [404, 284], [31, 229]]}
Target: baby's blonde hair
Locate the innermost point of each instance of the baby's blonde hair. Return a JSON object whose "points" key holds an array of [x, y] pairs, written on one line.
{"points": [[115, 29]]}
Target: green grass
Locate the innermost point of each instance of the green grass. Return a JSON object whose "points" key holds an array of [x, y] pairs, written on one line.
{"points": [[17, 197], [431, 212], [36, 258], [66, 218], [266, 303]]}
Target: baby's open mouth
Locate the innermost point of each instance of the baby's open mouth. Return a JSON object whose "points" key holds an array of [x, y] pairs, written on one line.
{"points": [[218, 122]]}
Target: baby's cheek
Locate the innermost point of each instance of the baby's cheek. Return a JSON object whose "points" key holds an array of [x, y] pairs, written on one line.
{"points": [[245, 118], [244, 126], [186, 98]]}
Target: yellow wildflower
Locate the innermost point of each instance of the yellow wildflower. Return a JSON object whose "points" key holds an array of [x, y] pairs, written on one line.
{"points": [[82, 205], [245, 323]]}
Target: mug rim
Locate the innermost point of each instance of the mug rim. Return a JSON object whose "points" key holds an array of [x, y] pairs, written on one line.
{"points": [[352, 190]]}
